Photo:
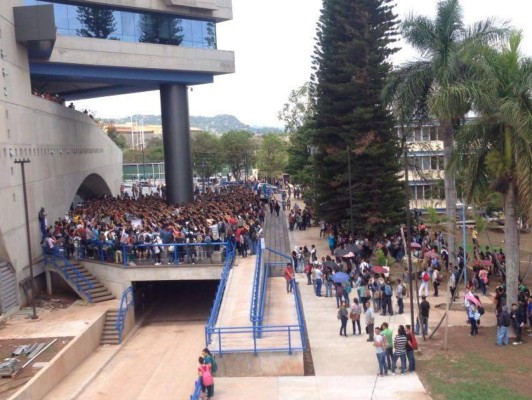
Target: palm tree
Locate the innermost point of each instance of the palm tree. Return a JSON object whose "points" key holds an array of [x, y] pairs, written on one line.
{"points": [[495, 151], [424, 83]]}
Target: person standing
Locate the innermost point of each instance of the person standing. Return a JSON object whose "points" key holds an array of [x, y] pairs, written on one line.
{"points": [[518, 321], [289, 276], [308, 272], [387, 298], [370, 321], [424, 287], [503, 325], [380, 349], [318, 276], [400, 288], [388, 333], [356, 310], [424, 308], [473, 315], [411, 346], [435, 281], [207, 381], [42, 224], [400, 343], [342, 316]]}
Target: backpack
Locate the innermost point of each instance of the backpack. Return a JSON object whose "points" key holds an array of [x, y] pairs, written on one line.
{"points": [[505, 319], [403, 291], [221, 227], [481, 310], [347, 288], [388, 290], [413, 341], [206, 376], [425, 277]]}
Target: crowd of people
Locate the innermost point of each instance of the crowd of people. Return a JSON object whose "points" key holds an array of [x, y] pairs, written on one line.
{"points": [[150, 229]]}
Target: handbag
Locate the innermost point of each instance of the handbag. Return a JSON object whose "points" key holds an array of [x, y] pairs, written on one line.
{"points": [[354, 316]]}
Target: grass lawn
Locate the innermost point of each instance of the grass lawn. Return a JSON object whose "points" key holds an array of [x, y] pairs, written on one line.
{"points": [[474, 368]]}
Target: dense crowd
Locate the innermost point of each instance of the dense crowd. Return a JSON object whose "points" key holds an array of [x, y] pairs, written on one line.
{"points": [[146, 224]]}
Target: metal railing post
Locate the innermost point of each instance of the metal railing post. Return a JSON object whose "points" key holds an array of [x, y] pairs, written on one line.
{"points": [[289, 342]]}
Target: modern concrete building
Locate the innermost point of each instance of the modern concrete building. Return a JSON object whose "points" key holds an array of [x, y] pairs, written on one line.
{"points": [[426, 168], [57, 51]]}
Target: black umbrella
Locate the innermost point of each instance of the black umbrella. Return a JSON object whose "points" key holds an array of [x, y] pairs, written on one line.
{"points": [[330, 264]]}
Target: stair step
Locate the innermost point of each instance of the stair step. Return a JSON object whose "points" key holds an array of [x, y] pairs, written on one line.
{"points": [[93, 291], [104, 298], [109, 342], [101, 294]]}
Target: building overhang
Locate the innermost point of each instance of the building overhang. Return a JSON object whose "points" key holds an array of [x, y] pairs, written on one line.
{"points": [[35, 28]]}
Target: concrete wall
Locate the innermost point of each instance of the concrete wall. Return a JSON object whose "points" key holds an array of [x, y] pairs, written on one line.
{"points": [[116, 53], [264, 364], [63, 363], [64, 146], [117, 278], [219, 10]]}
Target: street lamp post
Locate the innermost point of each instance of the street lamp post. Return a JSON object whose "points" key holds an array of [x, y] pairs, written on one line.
{"points": [[22, 163]]}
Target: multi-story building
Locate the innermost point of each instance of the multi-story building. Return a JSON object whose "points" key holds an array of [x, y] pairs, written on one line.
{"points": [[426, 167], [52, 52]]}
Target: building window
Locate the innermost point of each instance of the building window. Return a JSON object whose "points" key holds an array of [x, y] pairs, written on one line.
{"points": [[100, 22]]}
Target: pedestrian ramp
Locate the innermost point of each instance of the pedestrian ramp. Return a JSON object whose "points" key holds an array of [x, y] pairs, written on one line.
{"points": [[256, 313]]}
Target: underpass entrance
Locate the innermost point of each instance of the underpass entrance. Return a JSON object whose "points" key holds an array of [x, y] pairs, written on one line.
{"points": [[168, 302]]}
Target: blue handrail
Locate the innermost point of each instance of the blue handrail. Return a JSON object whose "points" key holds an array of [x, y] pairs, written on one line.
{"points": [[75, 277], [299, 312], [215, 310], [125, 302], [255, 292], [196, 395]]}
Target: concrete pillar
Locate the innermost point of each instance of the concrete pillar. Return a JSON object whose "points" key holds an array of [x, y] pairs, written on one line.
{"points": [[176, 139], [49, 288]]}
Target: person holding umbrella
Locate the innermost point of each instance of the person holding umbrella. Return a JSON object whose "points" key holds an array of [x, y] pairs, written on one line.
{"points": [[342, 316]]}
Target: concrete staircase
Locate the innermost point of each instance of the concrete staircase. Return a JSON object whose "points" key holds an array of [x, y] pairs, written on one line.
{"points": [[110, 334], [98, 292]]}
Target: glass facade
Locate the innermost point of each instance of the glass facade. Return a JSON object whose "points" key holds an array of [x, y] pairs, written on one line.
{"points": [[106, 23]]}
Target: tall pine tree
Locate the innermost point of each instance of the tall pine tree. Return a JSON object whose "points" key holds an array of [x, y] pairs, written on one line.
{"points": [[354, 40]]}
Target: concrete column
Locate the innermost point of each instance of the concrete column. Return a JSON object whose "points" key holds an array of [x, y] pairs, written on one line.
{"points": [[49, 288], [176, 139]]}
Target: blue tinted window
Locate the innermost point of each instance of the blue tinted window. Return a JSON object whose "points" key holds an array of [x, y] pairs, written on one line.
{"points": [[104, 23]]}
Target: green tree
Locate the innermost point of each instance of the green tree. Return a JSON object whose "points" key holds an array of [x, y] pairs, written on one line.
{"points": [[354, 41], [117, 138], [238, 150], [426, 83], [495, 150], [96, 22], [207, 157], [158, 28], [272, 156], [154, 150]]}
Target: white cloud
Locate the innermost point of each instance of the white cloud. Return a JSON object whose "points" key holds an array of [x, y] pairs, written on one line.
{"points": [[273, 43]]}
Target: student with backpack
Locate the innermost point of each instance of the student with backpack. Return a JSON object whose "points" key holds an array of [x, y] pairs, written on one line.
{"points": [[424, 287], [503, 326], [387, 294], [207, 380]]}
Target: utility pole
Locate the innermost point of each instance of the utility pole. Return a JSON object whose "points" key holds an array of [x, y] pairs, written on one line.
{"points": [[350, 189], [22, 163]]}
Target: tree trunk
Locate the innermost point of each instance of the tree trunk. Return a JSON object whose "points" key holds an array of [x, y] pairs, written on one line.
{"points": [[511, 244], [450, 190]]}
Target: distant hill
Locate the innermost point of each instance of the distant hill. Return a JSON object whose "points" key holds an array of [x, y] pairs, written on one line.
{"points": [[217, 124]]}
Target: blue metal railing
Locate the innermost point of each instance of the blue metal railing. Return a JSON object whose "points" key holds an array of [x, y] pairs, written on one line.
{"points": [[173, 253], [125, 302], [69, 271], [215, 310], [255, 292], [196, 395], [300, 315], [289, 330]]}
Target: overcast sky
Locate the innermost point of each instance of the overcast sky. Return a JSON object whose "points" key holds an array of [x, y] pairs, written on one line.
{"points": [[273, 42]]}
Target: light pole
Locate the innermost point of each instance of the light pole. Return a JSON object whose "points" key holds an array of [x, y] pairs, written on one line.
{"points": [[313, 151], [350, 189], [22, 163], [464, 240]]}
